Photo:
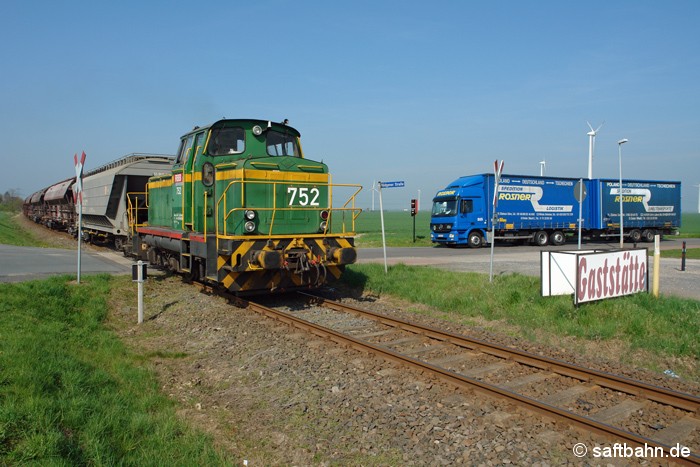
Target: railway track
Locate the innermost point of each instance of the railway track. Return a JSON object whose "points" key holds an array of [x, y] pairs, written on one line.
{"points": [[596, 401]]}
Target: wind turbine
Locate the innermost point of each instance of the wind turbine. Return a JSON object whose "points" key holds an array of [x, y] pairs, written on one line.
{"points": [[698, 198], [591, 145], [543, 163]]}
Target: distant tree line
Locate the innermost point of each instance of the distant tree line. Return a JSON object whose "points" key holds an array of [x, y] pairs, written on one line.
{"points": [[11, 201]]}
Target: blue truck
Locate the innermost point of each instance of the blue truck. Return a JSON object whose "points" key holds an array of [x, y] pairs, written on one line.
{"points": [[545, 210]]}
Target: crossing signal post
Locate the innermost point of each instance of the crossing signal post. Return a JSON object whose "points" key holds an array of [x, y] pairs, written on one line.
{"points": [[414, 211]]}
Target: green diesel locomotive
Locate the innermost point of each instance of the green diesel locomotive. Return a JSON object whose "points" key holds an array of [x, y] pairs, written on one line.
{"points": [[243, 208]]}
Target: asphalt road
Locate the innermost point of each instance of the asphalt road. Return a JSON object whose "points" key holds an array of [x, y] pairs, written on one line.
{"points": [[18, 263]]}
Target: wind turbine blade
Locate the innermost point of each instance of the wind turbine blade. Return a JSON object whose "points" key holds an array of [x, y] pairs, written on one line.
{"points": [[601, 126], [589, 126]]}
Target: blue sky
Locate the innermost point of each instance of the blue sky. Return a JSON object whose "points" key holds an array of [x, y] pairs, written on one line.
{"points": [[381, 90]]}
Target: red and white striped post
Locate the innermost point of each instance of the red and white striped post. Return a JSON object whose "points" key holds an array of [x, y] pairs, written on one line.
{"points": [[497, 171], [78, 195]]}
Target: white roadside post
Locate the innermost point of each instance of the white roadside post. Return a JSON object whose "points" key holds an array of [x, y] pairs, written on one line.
{"points": [[619, 154], [78, 194], [138, 275], [381, 217], [580, 194], [396, 184], [657, 264], [497, 171]]}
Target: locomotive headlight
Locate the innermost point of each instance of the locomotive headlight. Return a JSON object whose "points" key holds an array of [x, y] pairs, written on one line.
{"points": [[324, 215], [257, 131], [249, 226], [322, 226], [250, 215]]}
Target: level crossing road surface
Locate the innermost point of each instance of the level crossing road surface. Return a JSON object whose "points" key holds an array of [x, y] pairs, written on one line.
{"points": [[27, 263], [18, 263], [525, 259]]}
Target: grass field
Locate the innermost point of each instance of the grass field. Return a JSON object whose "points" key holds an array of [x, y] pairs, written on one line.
{"points": [[398, 228], [690, 225], [12, 234], [70, 394]]}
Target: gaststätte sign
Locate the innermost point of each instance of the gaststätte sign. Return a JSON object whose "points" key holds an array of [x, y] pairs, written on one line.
{"points": [[594, 274], [613, 274]]}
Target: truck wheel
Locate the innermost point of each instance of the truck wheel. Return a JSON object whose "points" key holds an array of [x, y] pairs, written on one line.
{"points": [[475, 240], [541, 238], [635, 236], [557, 238], [648, 235]]}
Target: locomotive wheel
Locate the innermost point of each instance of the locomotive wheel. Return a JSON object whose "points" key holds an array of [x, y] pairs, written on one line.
{"points": [[541, 238], [173, 264], [557, 238], [475, 240]]}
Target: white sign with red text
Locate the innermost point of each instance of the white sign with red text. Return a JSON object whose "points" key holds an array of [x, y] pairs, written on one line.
{"points": [[594, 275], [613, 274]]}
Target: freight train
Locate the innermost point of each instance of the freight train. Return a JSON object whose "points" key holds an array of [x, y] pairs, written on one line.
{"points": [[545, 210], [239, 206], [105, 201]]}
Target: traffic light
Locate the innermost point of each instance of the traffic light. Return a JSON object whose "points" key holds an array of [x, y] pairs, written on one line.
{"points": [[414, 207]]}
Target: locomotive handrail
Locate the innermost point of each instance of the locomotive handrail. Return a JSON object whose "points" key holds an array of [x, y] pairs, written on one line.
{"points": [[221, 205], [133, 210]]}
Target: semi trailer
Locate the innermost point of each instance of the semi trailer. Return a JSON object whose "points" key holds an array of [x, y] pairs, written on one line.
{"points": [[546, 210]]}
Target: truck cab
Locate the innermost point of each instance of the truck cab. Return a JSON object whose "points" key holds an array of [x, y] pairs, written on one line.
{"points": [[458, 215]]}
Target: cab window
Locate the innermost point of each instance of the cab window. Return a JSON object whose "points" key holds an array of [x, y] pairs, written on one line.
{"points": [[280, 144], [226, 140], [185, 150], [467, 206], [181, 152], [199, 144]]}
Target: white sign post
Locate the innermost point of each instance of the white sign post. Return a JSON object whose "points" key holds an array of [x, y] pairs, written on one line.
{"points": [[138, 275], [398, 184], [497, 171], [78, 194]]}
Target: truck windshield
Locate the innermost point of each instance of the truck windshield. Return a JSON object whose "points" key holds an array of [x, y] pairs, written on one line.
{"points": [[444, 207]]}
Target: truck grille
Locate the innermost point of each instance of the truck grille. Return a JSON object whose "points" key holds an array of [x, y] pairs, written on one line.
{"points": [[441, 227]]}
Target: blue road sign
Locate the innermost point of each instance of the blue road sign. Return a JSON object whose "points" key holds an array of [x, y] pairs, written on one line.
{"points": [[398, 184]]}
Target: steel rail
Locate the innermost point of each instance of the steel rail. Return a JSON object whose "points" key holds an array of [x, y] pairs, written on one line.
{"points": [[683, 401], [466, 382]]}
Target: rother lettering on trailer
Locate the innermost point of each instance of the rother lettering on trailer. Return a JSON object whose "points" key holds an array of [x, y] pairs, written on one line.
{"points": [[613, 274]]}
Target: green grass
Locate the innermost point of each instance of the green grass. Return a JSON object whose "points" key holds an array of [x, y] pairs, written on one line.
{"points": [[12, 234], [398, 229], [690, 225], [71, 394], [663, 326], [690, 253]]}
